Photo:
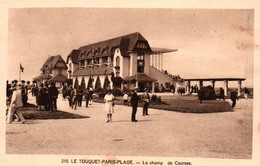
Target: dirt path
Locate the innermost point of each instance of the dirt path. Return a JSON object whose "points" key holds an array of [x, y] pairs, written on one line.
{"points": [[163, 133]]}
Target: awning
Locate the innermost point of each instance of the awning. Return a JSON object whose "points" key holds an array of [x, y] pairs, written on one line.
{"points": [[42, 76], [59, 78], [139, 77]]}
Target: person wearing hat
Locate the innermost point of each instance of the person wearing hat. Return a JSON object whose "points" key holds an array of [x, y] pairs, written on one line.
{"points": [[74, 98], [24, 93], [15, 105], [40, 97], [53, 95], [134, 102], [146, 100], [109, 106], [233, 97]]}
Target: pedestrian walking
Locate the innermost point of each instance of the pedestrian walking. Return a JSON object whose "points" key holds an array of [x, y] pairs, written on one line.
{"points": [[16, 105], [146, 100], [80, 96], [234, 98], [109, 105], [86, 94], [134, 102]]}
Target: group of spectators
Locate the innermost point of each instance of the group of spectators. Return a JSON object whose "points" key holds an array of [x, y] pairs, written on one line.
{"points": [[46, 95], [76, 95], [181, 90]]}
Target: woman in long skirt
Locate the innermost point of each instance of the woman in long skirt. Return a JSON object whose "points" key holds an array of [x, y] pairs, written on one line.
{"points": [[109, 106]]}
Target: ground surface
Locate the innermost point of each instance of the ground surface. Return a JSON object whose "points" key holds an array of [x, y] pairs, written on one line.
{"points": [[163, 133]]}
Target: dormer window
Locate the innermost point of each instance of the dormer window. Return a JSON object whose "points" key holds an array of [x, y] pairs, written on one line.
{"points": [[89, 62], [105, 59], [82, 63]]}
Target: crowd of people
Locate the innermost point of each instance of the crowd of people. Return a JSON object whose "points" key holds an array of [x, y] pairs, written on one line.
{"points": [[46, 96]]}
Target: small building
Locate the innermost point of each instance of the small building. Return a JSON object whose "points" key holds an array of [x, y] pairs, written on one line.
{"points": [[53, 70], [125, 61]]}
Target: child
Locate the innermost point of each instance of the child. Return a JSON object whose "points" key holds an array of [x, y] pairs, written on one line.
{"points": [[125, 98]]}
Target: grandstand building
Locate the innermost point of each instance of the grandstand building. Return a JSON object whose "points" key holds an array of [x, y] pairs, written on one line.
{"points": [[122, 62]]}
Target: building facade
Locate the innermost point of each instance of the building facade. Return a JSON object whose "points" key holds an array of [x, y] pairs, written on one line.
{"points": [[119, 62], [53, 70]]}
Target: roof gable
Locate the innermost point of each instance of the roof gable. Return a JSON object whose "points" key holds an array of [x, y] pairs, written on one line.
{"points": [[124, 43], [52, 61], [73, 55]]}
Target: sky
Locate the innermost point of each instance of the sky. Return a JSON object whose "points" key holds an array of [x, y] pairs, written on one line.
{"points": [[211, 42]]}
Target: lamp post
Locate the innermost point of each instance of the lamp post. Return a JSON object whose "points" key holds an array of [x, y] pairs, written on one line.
{"points": [[92, 70]]}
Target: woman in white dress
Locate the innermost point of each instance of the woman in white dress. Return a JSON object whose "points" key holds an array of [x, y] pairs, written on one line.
{"points": [[109, 106]]}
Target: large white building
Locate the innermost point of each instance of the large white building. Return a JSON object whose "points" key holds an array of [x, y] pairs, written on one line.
{"points": [[125, 61]]}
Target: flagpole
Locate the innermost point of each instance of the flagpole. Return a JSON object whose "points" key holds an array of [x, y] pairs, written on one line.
{"points": [[20, 73]]}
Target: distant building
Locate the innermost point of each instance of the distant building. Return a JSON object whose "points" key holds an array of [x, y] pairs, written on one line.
{"points": [[126, 61], [53, 70]]}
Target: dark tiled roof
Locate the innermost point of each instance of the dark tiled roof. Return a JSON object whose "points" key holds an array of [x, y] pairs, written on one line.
{"points": [[74, 56], [125, 43], [52, 61], [42, 76], [58, 78], [96, 71], [139, 77]]}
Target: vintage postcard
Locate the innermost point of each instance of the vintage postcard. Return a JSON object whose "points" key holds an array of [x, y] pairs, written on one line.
{"points": [[130, 84]]}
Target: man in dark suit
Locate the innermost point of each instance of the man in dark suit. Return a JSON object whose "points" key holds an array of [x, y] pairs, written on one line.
{"points": [[234, 98], [24, 93], [221, 94], [53, 95], [134, 102], [201, 94]]}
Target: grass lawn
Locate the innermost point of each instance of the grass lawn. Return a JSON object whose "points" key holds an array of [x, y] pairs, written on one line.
{"points": [[31, 112], [188, 104]]}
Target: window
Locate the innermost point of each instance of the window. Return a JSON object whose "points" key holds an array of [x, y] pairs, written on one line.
{"points": [[141, 45], [89, 62], [97, 60], [82, 63], [140, 63], [105, 59], [117, 67], [117, 61], [167, 85]]}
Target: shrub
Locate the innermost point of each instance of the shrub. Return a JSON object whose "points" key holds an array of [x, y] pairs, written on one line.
{"points": [[156, 99], [209, 93], [117, 92]]}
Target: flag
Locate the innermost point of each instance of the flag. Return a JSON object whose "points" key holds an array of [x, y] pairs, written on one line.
{"points": [[21, 67]]}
